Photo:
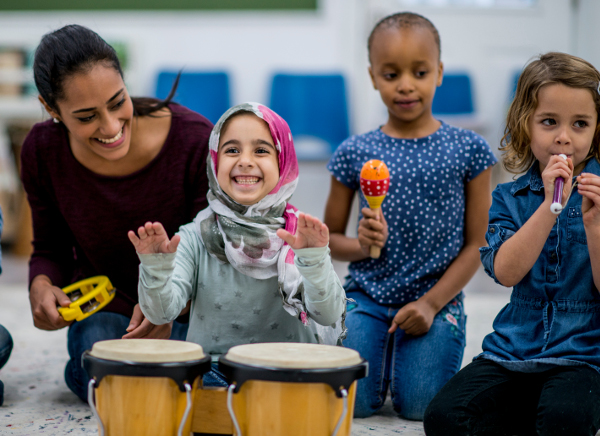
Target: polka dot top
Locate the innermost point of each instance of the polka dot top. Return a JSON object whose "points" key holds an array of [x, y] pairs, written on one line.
{"points": [[424, 207]]}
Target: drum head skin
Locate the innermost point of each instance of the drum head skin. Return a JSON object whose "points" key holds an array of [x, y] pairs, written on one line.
{"points": [[147, 350], [293, 355]]}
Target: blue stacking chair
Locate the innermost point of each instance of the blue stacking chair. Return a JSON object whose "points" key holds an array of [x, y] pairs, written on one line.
{"points": [[315, 107], [513, 83], [204, 92], [455, 96]]}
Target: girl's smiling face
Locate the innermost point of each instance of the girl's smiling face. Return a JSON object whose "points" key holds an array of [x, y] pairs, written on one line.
{"points": [[248, 165], [97, 111], [564, 122]]}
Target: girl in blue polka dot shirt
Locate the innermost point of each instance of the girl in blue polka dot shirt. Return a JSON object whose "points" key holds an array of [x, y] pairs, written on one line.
{"points": [[407, 317]]}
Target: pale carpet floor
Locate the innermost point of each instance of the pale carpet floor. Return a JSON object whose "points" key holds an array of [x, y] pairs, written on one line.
{"points": [[37, 401]]}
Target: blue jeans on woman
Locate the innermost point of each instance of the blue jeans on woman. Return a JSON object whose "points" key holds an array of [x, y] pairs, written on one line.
{"points": [[6, 346], [414, 368], [98, 327]]}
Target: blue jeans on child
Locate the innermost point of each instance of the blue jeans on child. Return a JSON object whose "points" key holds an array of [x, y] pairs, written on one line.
{"points": [[98, 327], [414, 367], [6, 346]]}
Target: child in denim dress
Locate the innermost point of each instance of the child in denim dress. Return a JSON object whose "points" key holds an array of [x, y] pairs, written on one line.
{"points": [[539, 370], [407, 319]]}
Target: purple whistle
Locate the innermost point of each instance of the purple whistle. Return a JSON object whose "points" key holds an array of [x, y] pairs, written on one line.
{"points": [[556, 206]]}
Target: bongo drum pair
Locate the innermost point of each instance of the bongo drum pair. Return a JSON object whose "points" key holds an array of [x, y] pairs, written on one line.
{"points": [[146, 387], [143, 387]]}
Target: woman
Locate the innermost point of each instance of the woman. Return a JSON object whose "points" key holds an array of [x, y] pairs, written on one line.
{"points": [[104, 164]]}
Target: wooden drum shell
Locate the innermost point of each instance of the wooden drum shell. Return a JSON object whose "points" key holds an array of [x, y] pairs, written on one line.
{"points": [[142, 387], [292, 389], [141, 406], [291, 409]]}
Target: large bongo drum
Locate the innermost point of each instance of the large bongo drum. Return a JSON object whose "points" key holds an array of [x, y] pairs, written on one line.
{"points": [[144, 386], [292, 388]]}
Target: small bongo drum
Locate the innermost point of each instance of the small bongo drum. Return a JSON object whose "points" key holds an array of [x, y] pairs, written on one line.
{"points": [[143, 386], [292, 389]]}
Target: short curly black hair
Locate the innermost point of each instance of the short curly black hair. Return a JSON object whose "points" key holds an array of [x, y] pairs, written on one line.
{"points": [[403, 20]]}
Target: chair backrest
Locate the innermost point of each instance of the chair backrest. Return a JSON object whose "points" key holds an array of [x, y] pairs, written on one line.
{"points": [[314, 105], [514, 81], [201, 91], [455, 96]]}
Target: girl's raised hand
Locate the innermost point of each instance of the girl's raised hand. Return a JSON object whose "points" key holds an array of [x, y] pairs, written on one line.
{"points": [[557, 167], [589, 188], [152, 239], [311, 233], [372, 229]]}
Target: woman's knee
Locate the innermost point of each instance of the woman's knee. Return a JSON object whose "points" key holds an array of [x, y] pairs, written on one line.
{"points": [[6, 346]]}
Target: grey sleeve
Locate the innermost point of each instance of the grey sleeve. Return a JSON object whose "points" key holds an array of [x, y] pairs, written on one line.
{"points": [[167, 281], [323, 292]]}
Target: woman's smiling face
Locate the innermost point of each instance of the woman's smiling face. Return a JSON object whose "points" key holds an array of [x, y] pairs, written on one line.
{"points": [[97, 111], [248, 164]]}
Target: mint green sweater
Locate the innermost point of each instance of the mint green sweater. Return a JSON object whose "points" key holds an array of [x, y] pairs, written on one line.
{"points": [[230, 308]]}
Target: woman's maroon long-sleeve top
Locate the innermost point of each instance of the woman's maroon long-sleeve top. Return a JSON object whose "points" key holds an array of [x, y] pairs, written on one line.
{"points": [[81, 219]]}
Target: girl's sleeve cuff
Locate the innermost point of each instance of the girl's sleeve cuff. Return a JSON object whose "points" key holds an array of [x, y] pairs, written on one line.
{"points": [[495, 237], [310, 256]]}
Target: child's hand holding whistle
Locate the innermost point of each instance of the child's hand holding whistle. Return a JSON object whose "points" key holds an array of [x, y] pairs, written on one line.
{"points": [[374, 184], [557, 179]]}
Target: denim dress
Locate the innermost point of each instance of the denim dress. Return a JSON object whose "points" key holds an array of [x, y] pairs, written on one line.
{"points": [[553, 317]]}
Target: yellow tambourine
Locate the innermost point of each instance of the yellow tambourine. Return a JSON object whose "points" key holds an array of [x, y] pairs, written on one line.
{"points": [[88, 297]]}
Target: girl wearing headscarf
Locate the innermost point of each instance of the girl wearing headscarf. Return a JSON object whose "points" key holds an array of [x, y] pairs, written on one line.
{"points": [[254, 268]]}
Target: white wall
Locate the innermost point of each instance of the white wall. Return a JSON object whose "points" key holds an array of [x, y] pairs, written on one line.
{"points": [[250, 45], [491, 44], [586, 30]]}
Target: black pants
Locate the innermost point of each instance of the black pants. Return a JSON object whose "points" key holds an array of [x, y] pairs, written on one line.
{"points": [[485, 398]]}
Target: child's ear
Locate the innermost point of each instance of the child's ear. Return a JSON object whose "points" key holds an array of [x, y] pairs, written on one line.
{"points": [[372, 77], [440, 73], [48, 108]]}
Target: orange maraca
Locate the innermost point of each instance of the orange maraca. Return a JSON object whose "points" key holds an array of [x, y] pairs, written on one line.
{"points": [[374, 184]]}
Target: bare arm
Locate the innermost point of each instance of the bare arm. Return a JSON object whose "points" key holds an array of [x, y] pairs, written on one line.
{"points": [[518, 254], [372, 227], [416, 318]]}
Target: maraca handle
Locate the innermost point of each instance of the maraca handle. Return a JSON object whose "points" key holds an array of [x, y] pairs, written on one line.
{"points": [[374, 250]]}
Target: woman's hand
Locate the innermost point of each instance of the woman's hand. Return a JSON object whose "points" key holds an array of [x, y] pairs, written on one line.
{"points": [[414, 318], [557, 167], [140, 327], [311, 232], [153, 239], [589, 188], [372, 229], [44, 299]]}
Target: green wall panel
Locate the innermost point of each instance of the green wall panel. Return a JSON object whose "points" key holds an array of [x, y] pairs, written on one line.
{"points": [[48, 5]]}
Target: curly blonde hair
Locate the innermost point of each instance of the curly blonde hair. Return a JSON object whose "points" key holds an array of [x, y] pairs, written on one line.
{"points": [[549, 68]]}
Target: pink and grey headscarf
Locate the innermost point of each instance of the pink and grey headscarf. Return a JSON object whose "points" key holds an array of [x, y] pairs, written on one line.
{"points": [[245, 236]]}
